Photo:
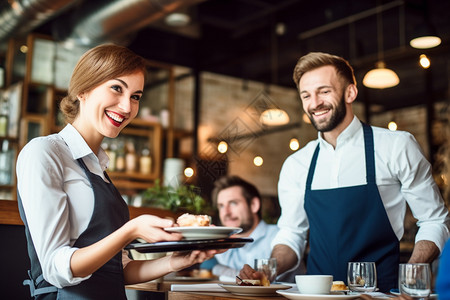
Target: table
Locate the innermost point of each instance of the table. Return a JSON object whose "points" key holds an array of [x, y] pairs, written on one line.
{"points": [[164, 287]]}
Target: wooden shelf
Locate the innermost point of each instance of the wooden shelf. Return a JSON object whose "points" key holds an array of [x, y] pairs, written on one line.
{"points": [[9, 212]]}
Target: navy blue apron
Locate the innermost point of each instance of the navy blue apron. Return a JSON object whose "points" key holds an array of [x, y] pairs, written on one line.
{"points": [[351, 224], [110, 213]]}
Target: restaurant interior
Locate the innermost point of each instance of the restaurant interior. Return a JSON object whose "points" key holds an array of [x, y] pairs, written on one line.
{"points": [[220, 98]]}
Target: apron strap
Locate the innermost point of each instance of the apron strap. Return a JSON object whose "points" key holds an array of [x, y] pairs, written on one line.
{"points": [[38, 291], [312, 168], [370, 155]]}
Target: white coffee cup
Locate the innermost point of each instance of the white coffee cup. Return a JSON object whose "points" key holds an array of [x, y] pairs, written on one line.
{"points": [[314, 284]]}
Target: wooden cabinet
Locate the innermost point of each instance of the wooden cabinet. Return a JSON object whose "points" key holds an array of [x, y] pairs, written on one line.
{"points": [[143, 135]]}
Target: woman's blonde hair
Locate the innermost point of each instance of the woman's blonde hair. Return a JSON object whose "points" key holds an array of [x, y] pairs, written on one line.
{"points": [[314, 60], [95, 67]]}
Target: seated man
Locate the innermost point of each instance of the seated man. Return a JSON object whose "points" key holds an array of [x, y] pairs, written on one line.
{"points": [[239, 205]]}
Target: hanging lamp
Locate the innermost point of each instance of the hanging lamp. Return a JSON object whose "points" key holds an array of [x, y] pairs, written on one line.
{"points": [[274, 116], [380, 77]]}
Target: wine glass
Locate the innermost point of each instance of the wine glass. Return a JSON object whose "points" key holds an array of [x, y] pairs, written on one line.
{"points": [[362, 277], [414, 280]]}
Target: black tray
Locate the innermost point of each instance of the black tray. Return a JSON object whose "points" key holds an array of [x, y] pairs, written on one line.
{"points": [[188, 245]]}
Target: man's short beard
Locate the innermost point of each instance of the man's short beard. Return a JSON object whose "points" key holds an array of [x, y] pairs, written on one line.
{"points": [[247, 224], [336, 118]]}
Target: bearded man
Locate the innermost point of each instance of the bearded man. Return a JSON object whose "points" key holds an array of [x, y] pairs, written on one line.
{"points": [[348, 189]]}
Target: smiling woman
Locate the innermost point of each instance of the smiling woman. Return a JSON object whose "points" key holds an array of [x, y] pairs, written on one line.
{"points": [[78, 252]]}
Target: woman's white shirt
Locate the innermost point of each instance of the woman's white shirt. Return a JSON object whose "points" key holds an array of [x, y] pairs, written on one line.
{"points": [[57, 198]]}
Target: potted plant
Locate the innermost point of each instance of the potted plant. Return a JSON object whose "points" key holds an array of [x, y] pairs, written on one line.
{"points": [[184, 198]]}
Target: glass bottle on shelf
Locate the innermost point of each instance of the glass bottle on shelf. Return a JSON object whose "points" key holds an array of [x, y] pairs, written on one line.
{"points": [[130, 157], [120, 156], [145, 161], [4, 116], [111, 154], [6, 163]]}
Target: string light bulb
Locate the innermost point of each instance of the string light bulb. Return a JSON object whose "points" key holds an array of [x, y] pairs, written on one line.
{"points": [[188, 172], [222, 147], [392, 126], [258, 161], [294, 144], [424, 61]]}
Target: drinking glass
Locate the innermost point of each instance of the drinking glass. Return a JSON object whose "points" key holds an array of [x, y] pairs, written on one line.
{"points": [[267, 266], [414, 280], [362, 277]]}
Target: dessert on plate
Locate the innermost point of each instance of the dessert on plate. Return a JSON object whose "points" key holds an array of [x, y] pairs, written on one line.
{"points": [[338, 286], [186, 220]]}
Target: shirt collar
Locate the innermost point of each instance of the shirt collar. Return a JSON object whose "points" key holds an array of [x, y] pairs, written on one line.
{"points": [[345, 135], [259, 231], [78, 146]]}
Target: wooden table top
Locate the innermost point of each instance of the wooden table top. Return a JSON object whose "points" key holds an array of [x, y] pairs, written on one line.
{"points": [[165, 286]]}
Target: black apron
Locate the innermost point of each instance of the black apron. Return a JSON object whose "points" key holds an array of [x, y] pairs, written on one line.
{"points": [[110, 213], [351, 224]]}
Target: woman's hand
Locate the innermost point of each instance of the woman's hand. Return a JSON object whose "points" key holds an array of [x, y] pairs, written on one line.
{"points": [[182, 260], [151, 229]]}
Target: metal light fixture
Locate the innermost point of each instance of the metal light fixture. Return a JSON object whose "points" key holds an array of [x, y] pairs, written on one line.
{"points": [[380, 77], [425, 37], [274, 117]]}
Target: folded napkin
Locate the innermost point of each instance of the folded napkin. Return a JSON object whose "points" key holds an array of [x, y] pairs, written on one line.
{"points": [[203, 287]]}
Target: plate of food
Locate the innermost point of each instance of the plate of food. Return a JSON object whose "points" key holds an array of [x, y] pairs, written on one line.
{"points": [[197, 227], [254, 290], [296, 295]]}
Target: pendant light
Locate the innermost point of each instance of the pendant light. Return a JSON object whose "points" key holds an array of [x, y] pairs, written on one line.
{"points": [[425, 35], [380, 77], [274, 116]]}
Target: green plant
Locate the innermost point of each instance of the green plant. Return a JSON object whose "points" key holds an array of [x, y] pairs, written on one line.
{"points": [[185, 197]]}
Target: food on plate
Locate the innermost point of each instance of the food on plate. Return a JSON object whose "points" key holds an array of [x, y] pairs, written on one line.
{"points": [[250, 282], [193, 220], [338, 286], [255, 282], [202, 273], [196, 273]]}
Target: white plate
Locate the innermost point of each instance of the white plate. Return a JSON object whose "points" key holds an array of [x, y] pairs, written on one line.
{"points": [[206, 233], [254, 290], [295, 295]]}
